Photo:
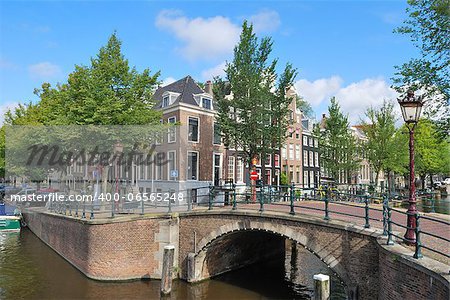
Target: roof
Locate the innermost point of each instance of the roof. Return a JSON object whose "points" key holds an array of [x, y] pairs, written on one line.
{"points": [[186, 87]]}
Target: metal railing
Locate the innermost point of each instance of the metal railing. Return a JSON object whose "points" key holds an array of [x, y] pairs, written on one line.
{"points": [[288, 198]]}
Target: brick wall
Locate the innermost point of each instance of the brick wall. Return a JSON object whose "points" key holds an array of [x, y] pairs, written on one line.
{"points": [[105, 250], [131, 248], [404, 279], [353, 255]]}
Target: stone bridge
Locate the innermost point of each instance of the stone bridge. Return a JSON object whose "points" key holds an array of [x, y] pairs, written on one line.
{"points": [[209, 243]]}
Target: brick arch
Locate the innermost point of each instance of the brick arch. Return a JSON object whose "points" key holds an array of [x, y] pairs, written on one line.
{"points": [[284, 231]]}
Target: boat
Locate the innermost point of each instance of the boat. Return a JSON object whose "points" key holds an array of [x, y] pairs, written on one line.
{"points": [[9, 221]]}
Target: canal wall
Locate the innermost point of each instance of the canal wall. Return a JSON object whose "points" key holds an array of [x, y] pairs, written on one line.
{"points": [[113, 249], [213, 242], [403, 277]]}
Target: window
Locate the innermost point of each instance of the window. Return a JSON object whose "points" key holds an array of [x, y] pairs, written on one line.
{"points": [[171, 137], [297, 151], [291, 151], [316, 156], [192, 169], [217, 135], [240, 170], [311, 142], [171, 164], [165, 101], [283, 152], [305, 179], [159, 165], [231, 161], [277, 160], [311, 179], [141, 171], [316, 143], [217, 173], [268, 176], [305, 158], [291, 173], [150, 167], [297, 172], [311, 159], [305, 140], [193, 129], [206, 103], [268, 161]]}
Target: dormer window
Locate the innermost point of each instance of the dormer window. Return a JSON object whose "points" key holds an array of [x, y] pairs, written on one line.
{"points": [[206, 103], [165, 101]]}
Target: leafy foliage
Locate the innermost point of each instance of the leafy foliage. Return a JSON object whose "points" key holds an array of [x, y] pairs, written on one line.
{"points": [[381, 146], [108, 92], [337, 146], [428, 26], [252, 103]]}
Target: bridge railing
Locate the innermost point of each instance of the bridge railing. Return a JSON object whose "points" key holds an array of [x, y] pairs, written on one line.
{"points": [[290, 199]]}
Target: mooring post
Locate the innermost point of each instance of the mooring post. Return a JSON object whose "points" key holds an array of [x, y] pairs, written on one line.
{"points": [[321, 287], [167, 269]]}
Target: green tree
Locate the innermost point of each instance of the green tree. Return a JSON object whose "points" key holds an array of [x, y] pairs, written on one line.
{"points": [[107, 92], [380, 146], [252, 103], [428, 26], [337, 146], [431, 153]]}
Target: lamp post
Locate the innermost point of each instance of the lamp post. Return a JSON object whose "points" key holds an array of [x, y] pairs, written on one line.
{"points": [[411, 107]]}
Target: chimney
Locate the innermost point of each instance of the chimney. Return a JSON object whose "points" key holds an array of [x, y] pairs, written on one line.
{"points": [[208, 87]]}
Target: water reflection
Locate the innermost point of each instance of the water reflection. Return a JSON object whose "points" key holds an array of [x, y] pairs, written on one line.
{"points": [[29, 269]]}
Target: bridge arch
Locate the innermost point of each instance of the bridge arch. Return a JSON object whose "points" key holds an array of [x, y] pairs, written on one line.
{"points": [[197, 260]]}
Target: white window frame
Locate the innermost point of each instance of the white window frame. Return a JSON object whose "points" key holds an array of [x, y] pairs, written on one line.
{"points": [[187, 166], [210, 102], [164, 103], [174, 164], [214, 134], [305, 158], [231, 167], [291, 152], [198, 129], [240, 170], [172, 131]]}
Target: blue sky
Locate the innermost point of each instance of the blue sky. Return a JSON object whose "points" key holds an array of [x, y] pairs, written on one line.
{"points": [[342, 48]]}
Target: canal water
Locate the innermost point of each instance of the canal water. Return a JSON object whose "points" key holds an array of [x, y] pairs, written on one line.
{"points": [[29, 269]]}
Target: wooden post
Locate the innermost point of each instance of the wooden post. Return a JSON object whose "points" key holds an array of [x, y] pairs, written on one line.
{"points": [[167, 269], [321, 287]]}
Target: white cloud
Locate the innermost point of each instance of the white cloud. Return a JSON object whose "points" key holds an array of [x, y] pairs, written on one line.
{"points": [[4, 107], [354, 98], [168, 81], [357, 97], [265, 21], [203, 38], [218, 70], [44, 70], [317, 91]]}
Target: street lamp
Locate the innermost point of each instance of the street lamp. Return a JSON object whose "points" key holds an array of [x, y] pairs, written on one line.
{"points": [[411, 107]]}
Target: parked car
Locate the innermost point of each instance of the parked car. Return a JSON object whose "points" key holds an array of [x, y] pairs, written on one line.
{"points": [[437, 184], [446, 181]]}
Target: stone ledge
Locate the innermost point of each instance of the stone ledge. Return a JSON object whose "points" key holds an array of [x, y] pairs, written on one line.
{"points": [[102, 221], [338, 224]]}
